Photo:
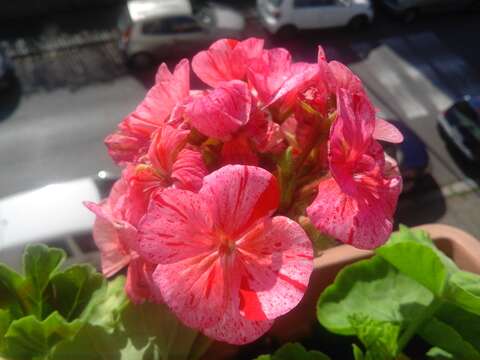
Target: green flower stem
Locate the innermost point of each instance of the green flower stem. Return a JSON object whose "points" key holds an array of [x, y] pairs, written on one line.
{"points": [[415, 325]]}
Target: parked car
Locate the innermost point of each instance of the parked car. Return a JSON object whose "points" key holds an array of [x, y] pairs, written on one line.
{"points": [[411, 155], [6, 73], [284, 17], [153, 29], [53, 215], [409, 9], [460, 124]]}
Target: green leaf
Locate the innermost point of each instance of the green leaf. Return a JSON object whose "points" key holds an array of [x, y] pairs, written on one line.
{"points": [[106, 305], [171, 339], [70, 291], [464, 290], [378, 337], [357, 352], [439, 354], [464, 322], [438, 333], [371, 288], [92, 343], [39, 263], [11, 298], [5, 321], [29, 337], [413, 253], [294, 351]]}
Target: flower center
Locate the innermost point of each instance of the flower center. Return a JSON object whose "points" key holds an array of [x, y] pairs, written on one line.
{"points": [[226, 244]]}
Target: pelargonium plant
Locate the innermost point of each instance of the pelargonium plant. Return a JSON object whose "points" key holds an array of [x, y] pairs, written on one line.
{"points": [[225, 190]]}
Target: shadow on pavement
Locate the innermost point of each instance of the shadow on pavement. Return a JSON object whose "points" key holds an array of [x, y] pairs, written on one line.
{"points": [[10, 99], [424, 204], [469, 168]]}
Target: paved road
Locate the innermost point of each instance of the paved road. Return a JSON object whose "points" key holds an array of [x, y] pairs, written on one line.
{"points": [[73, 97]]}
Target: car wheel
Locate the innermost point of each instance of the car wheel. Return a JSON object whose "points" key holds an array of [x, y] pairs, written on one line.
{"points": [[287, 32], [358, 23], [142, 60], [410, 15]]}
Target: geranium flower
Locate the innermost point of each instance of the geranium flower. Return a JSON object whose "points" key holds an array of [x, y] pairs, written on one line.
{"points": [[133, 136], [112, 233], [224, 264], [168, 163], [117, 239], [225, 60], [356, 204], [221, 111]]}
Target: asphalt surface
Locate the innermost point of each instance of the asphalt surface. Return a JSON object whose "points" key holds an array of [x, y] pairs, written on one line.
{"points": [[71, 95]]}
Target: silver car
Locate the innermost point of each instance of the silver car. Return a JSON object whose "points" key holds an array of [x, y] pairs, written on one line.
{"points": [[156, 29]]}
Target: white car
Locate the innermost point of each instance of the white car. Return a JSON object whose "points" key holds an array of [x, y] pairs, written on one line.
{"points": [[152, 29], [53, 215], [284, 17]]}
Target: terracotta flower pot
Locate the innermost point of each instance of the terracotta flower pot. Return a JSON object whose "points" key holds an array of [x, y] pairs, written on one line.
{"points": [[457, 244]]}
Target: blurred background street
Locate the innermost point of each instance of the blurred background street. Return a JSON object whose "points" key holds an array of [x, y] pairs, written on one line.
{"points": [[73, 87]]}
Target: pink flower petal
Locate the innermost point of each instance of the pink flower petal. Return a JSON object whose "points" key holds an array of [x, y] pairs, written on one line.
{"points": [[238, 151], [167, 142], [235, 329], [194, 289], [139, 285], [362, 221], [168, 91], [111, 238], [268, 73], [189, 170], [385, 131], [277, 258], [131, 141], [226, 60], [345, 78], [302, 76], [176, 227], [356, 206], [240, 195], [222, 111]]}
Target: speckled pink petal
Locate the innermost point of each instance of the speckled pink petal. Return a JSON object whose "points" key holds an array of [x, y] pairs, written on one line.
{"points": [[352, 220], [321, 54], [177, 226], [189, 170], [277, 259], [168, 90], [238, 195], [194, 289], [222, 111], [107, 234], [345, 78], [268, 73], [302, 74], [234, 329], [351, 133], [225, 60], [264, 133], [139, 285], [385, 131], [131, 141], [167, 142]]}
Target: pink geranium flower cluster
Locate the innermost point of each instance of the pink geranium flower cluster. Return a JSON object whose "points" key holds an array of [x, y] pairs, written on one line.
{"points": [[216, 182]]}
